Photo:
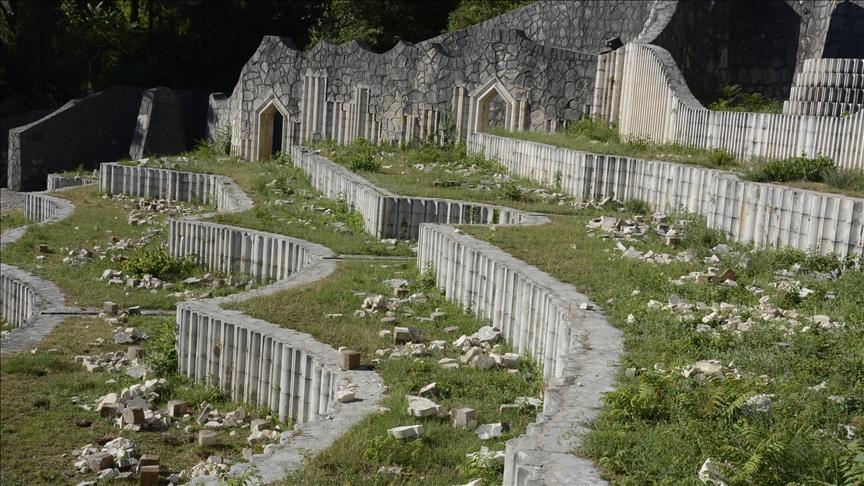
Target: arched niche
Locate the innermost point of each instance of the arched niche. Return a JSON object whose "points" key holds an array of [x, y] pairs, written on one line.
{"points": [[493, 106], [272, 128]]}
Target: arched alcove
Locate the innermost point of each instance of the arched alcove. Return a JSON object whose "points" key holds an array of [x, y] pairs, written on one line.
{"points": [[845, 37], [494, 107], [273, 127]]}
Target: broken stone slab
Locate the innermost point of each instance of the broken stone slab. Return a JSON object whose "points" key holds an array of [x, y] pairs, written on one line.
{"points": [[491, 431], [110, 308], [177, 408], [402, 335], [148, 475], [138, 402], [349, 360], [99, 461], [483, 362], [463, 417], [448, 363], [206, 437], [257, 425], [406, 431], [205, 414], [422, 407], [487, 334], [345, 396], [510, 360], [430, 389], [528, 402]]}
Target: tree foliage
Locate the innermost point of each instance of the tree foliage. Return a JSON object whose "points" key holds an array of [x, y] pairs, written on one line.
{"points": [[56, 50]]}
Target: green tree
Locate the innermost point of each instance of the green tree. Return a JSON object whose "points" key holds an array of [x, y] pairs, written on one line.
{"points": [[470, 12]]}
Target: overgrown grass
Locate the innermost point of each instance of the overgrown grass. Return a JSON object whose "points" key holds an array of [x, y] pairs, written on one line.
{"points": [[12, 218], [439, 456], [818, 173], [659, 427], [596, 136], [41, 426], [286, 203], [93, 223], [430, 170], [733, 98]]}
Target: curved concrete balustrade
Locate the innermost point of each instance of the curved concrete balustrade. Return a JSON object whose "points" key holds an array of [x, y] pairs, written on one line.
{"points": [[537, 314], [767, 215], [252, 360], [540, 317], [156, 183], [641, 88], [59, 181], [388, 215], [26, 301]]}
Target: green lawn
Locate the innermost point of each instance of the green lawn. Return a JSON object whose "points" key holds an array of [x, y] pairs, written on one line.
{"points": [[286, 203], [41, 426], [94, 221], [439, 456], [445, 172], [12, 218], [659, 427]]}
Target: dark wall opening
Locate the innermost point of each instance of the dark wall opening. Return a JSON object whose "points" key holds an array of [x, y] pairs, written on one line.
{"points": [[752, 44], [277, 134], [845, 38]]}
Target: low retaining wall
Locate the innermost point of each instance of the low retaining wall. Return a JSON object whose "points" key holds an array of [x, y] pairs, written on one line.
{"points": [[59, 181], [41, 208], [27, 302], [388, 215], [288, 372], [158, 183], [540, 317], [763, 214]]}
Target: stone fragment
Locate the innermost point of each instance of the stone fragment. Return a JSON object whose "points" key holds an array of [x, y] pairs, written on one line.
{"points": [[110, 308], [510, 360], [177, 408], [483, 362], [345, 396], [133, 416], [427, 390], [99, 461], [257, 425], [389, 472], [206, 437], [148, 460], [487, 334], [148, 475], [349, 360], [711, 474], [463, 417], [422, 407], [406, 431], [491, 431]]}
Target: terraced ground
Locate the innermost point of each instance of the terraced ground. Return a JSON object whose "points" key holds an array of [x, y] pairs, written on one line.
{"points": [[781, 404]]}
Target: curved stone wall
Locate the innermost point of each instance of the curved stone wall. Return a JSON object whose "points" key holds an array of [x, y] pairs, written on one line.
{"points": [[26, 301], [150, 182], [763, 214], [537, 314], [540, 317], [388, 215], [650, 98], [59, 181], [254, 361]]}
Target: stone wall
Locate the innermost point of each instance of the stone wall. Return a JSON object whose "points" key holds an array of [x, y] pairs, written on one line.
{"points": [[8, 122], [155, 183], [252, 360], [83, 132], [169, 122], [541, 318], [641, 88], [387, 215], [60, 181], [763, 214]]}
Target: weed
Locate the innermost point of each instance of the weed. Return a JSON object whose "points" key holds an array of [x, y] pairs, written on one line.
{"points": [[733, 98], [361, 156], [637, 206], [158, 263], [791, 169]]}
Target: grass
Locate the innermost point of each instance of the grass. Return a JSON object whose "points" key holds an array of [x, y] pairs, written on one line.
{"points": [[12, 218], [818, 173], [658, 427], [444, 172], [40, 423], [92, 223], [599, 138], [286, 203], [733, 98], [439, 456]]}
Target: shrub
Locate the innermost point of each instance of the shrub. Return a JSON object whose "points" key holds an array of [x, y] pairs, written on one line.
{"points": [[637, 206], [733, 98], [721, 158], [791, 169], [594, 129], [512, 192], [158, 263], [362, 156]]}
